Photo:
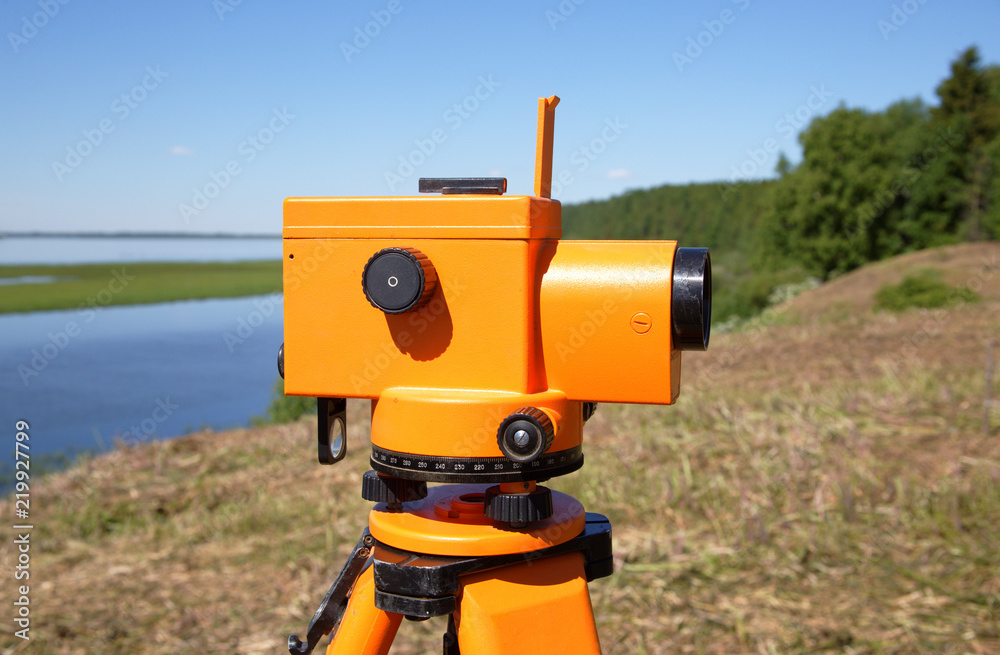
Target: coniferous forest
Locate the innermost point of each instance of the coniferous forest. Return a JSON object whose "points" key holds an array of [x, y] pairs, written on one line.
{"points": [[871, 185]]}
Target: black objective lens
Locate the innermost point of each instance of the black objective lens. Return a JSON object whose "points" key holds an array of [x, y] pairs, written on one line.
{"points": [[691, 304]]}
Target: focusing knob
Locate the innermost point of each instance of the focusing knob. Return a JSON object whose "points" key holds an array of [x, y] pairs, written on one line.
{"points": [[386, 489], [518, 508], [525, 435], [397, 280]]}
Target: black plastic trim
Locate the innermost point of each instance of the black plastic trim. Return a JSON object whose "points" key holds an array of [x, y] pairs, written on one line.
{"points": [[475, 469]]}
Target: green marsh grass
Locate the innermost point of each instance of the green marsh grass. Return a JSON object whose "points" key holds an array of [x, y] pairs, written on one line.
{"points": [[93, 286]]}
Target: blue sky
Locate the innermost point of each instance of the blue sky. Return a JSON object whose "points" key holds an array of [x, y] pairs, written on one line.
{"points": [[202, 115]]}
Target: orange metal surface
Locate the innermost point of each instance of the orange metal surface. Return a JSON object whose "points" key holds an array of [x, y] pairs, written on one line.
{"points": [[541, 606], [412, 420], [476, 332], [543, 146], [427, 526], [423, 217], [590, 293], [364, 629]]}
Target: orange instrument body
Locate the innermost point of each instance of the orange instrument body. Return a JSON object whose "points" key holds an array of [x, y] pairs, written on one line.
{"points": [[483, 341], [519, 318]]}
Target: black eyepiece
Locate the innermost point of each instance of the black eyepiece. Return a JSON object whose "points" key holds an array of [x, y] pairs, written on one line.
{"points": [[691, 304]]}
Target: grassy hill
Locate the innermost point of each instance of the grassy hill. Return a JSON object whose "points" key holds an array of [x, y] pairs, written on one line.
{"points": [[824, 484]]}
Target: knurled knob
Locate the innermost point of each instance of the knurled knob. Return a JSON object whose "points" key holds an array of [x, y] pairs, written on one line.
{"points": [[398, 280], [518, 508], [386, 489], [525, 435]]}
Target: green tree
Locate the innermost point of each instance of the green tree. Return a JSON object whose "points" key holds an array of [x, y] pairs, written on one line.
{"points": [[876, 184], [836, 210], [991, 196], [971, 94], [970, 111]]}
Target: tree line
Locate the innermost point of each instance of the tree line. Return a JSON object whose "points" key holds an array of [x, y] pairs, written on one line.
{"points": [[876, 184], [871, 185]]}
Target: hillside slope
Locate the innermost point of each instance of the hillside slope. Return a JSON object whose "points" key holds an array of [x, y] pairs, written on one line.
{"points": [[823, 484]]}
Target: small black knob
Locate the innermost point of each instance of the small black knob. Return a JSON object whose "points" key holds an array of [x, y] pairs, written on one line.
{"points": [[517, 508], [397, 280], [281, 361], [386, 489], [525, 435], [589, 409]]}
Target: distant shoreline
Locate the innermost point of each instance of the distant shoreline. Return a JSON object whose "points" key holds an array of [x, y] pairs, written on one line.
{"points": [[89, 287], [136, 235]]}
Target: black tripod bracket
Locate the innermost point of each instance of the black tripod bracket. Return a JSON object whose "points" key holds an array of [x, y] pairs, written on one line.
{"points": [[331, 610], [421, 586]]}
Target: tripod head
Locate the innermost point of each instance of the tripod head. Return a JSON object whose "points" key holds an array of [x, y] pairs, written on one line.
{"points": [[482, 339]]}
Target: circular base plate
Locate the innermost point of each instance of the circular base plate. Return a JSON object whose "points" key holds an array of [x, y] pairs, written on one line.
{"points": [[442, 524]]}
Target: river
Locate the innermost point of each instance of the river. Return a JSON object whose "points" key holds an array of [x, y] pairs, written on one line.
{"points": [[140, 372], [95, 250]]}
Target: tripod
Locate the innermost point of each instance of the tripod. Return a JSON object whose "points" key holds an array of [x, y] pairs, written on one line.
{"points": [[506, 588]]}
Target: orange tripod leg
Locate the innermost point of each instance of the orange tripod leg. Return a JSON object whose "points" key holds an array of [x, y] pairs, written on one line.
{"points": [[364, 629], [540, 606]]}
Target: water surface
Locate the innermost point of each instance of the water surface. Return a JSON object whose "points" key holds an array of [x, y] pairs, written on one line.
{"points": [[137, 372], [96, 250]]}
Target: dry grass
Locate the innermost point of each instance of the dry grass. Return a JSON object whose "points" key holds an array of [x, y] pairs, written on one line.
{"points": [[822, 486]]}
